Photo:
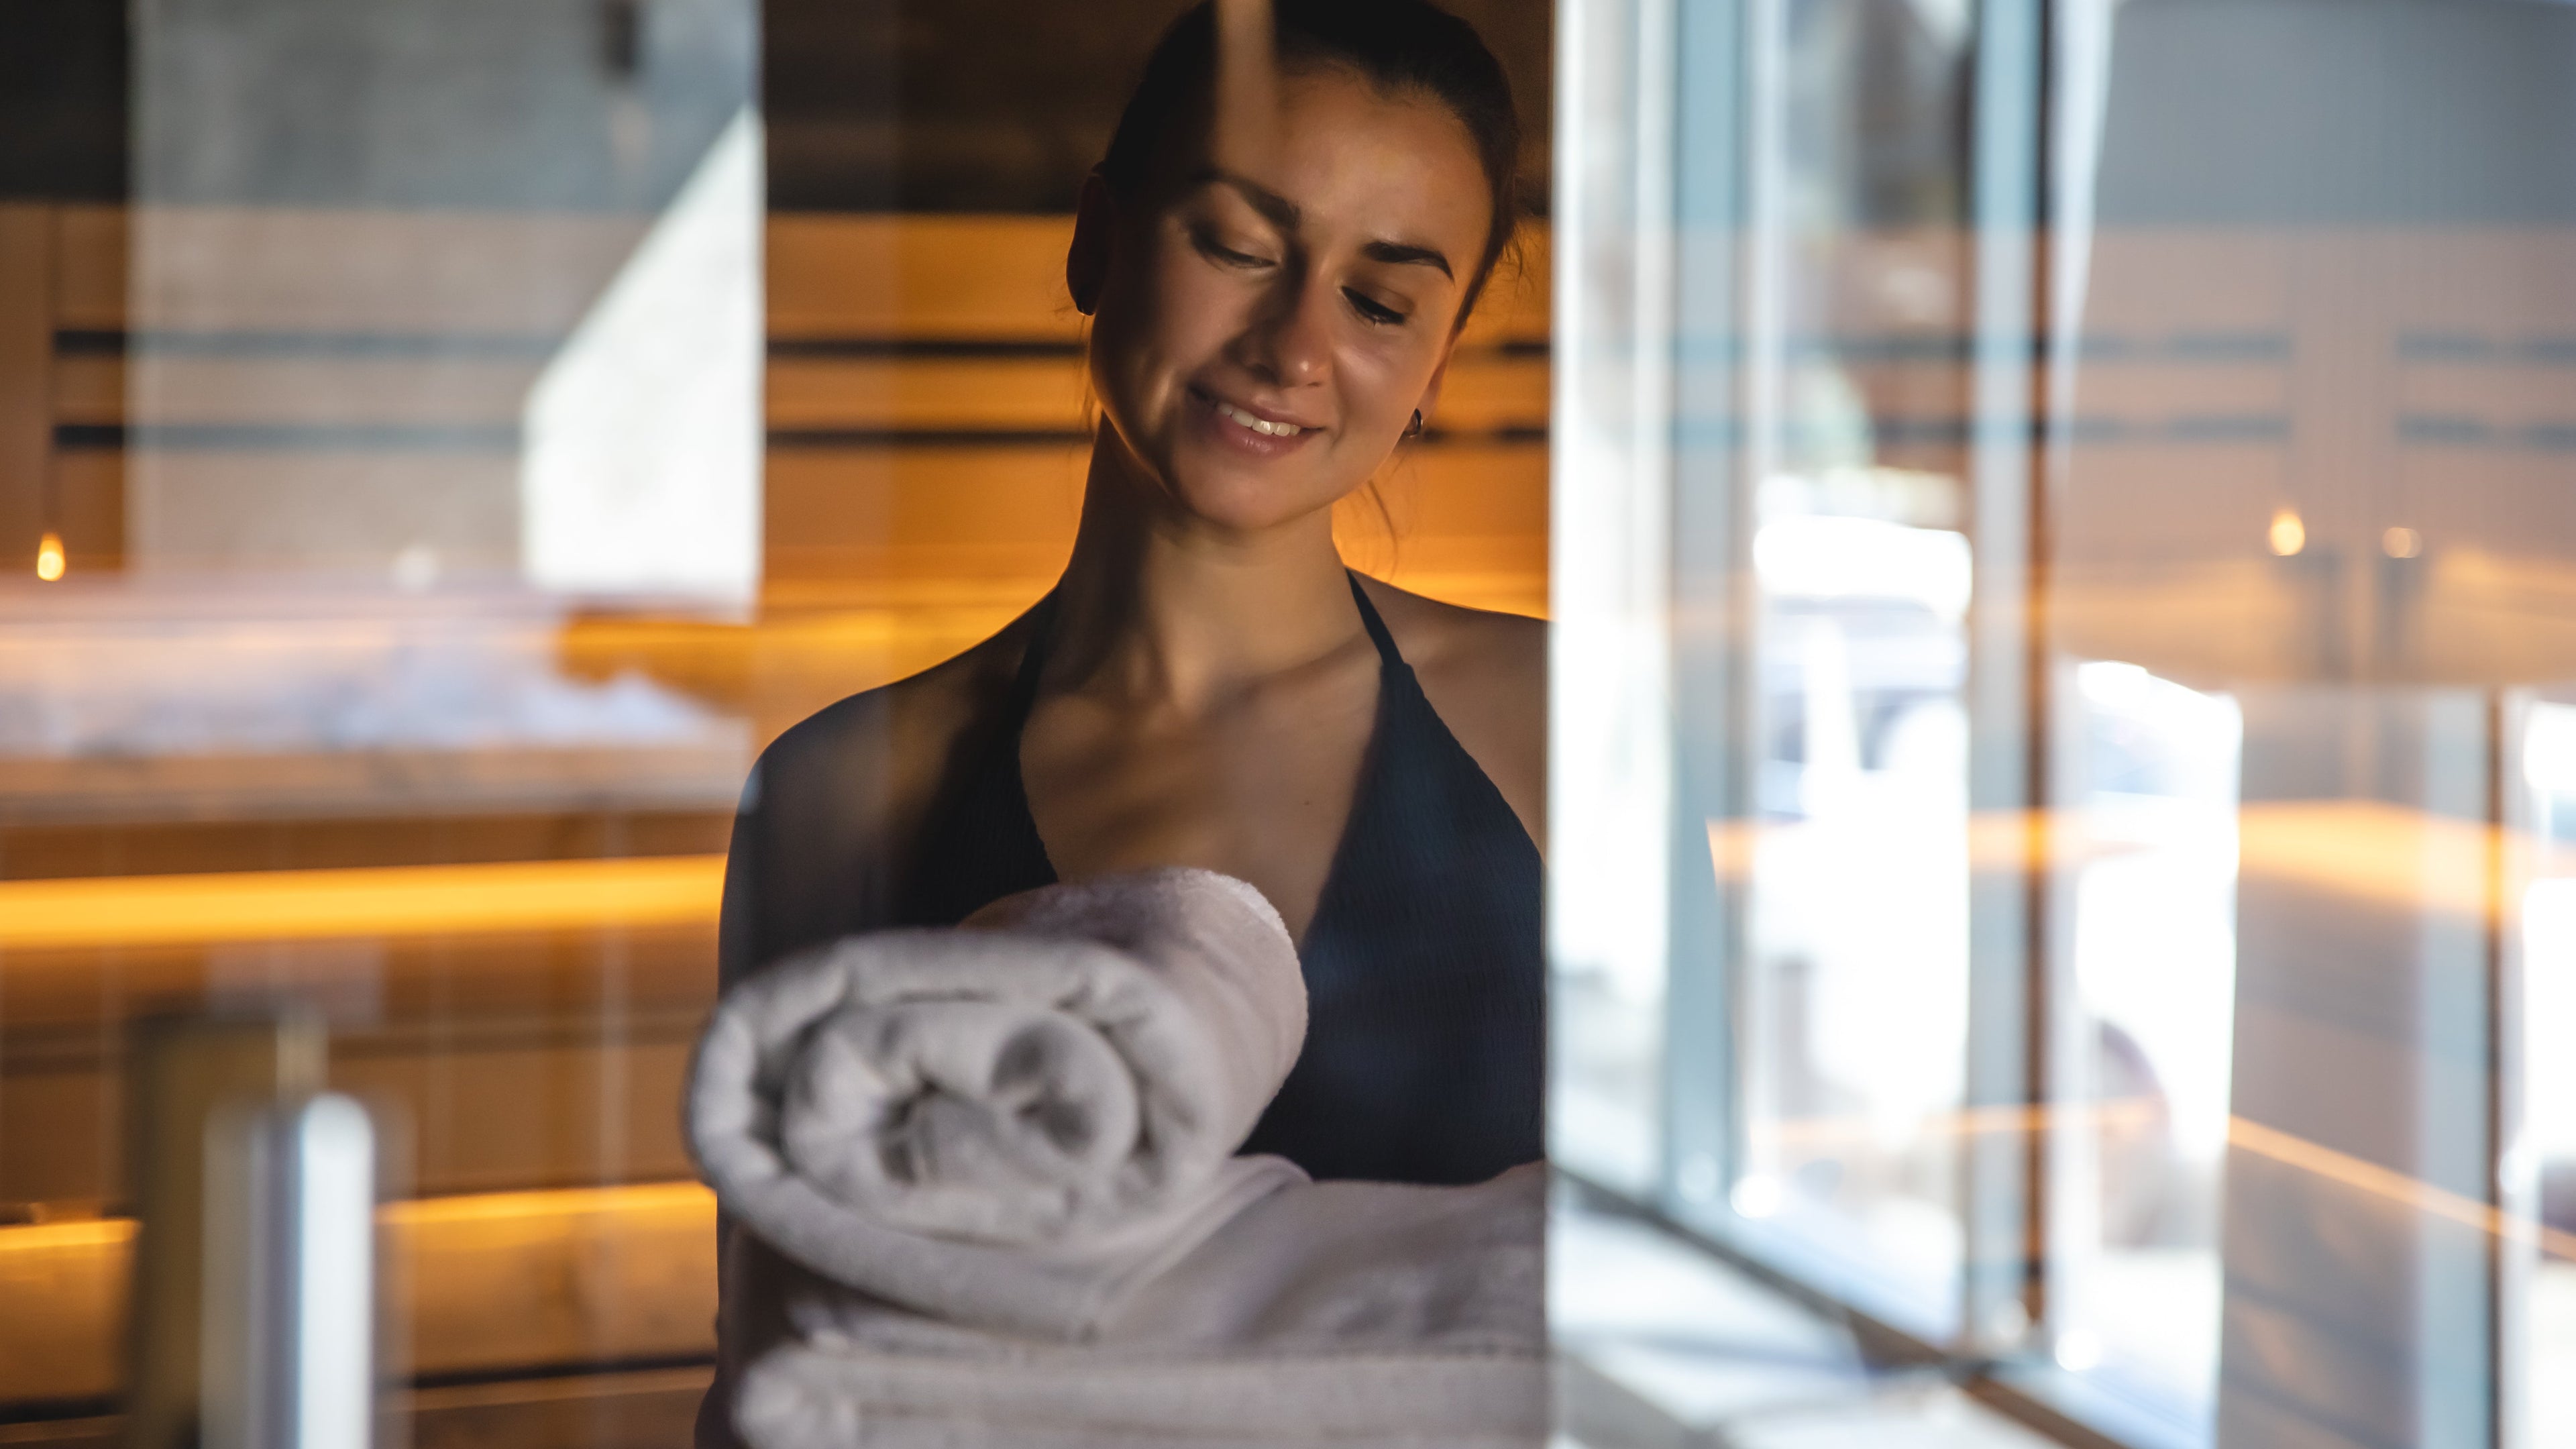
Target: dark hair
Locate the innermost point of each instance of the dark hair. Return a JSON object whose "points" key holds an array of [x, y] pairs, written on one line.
{"points": [[1397, 45]]}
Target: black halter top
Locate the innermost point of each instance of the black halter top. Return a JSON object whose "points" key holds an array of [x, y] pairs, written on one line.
{"points": [[1425, 1038]]}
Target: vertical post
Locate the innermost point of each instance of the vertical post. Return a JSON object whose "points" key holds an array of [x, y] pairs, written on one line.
{"points": [[1610, 779], [1712, 605], [2513, 1255], [287, 1356], [2007, 705], [183, 1074]]}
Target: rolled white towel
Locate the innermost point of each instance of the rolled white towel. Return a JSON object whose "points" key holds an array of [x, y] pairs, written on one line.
{"points": [[1325, 1313], [1016, 1123]]}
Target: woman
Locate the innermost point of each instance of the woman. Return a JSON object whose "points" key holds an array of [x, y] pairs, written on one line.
{"points": [[1208, 685]]}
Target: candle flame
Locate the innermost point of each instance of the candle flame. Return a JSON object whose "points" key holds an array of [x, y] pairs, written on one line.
{"points": [[49, 557]]}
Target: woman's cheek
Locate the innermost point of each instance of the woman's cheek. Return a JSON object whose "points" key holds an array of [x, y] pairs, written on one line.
{"points": [[1381, 384], [1202, 310]]}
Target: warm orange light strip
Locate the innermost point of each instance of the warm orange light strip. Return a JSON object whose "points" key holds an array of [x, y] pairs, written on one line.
{"points": [[1816, 1134], [486, 1281], [2355, 847], [2395, 1186], [419, 900], [552, 1204]]}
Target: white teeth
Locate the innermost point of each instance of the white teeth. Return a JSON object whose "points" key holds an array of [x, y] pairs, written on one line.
{"points": [[1258, 425]]}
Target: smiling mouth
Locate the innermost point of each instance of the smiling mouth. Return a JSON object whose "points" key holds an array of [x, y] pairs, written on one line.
{"points": [[1251, 421]]}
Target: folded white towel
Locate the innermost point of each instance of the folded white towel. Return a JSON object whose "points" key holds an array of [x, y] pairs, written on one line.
{"points": [[1344, 1312], [1016, 1124]]}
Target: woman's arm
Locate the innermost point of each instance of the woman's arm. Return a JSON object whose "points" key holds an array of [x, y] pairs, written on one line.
{"points": [[808, 862], [824, 835]]}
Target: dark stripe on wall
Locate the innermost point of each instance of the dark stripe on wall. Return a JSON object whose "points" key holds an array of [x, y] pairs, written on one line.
{"points": [[286, 438], [525, 347], [917, 347]]}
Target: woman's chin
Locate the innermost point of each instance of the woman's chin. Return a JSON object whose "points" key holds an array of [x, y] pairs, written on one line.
{"points": [[1235, 508], [1246, 499]]}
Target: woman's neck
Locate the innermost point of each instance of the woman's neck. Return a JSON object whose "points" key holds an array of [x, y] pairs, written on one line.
{"points": [[1162, 607]]}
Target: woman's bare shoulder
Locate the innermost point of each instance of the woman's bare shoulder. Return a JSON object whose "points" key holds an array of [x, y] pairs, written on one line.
{"points": [[1485, 671], [1485, 648], [875, 758]]}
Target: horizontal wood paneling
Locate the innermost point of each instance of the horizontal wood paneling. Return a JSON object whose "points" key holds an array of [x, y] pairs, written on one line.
{"points": [[515, 1281], [961, 277], [998, 513]]}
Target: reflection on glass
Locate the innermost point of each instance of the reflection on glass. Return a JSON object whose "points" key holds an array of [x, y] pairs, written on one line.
{"points": [[1855, 887], [2543, 1165], [1856, 988], [2298, 460], [2147, 866], [400, 479], [2120, 632]]}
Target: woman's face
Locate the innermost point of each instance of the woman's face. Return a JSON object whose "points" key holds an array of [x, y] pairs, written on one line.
{"points": [[1263, 337]]}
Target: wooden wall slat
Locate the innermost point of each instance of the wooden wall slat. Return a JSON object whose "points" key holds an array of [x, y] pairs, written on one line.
{"points": [[386, 273], [89, 496], [920, 277], [926, 393], [1002, 277], [1486, 392], [89, 287], [887, 276], [1008, 513], [300, 391], [26, 387], [501, 1281]]}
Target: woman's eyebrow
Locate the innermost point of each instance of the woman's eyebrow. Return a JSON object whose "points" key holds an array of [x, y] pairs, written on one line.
{"points": [[1402, 252], [1278, 210], [1282, 213]]}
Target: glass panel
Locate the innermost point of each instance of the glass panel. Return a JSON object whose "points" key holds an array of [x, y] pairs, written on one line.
{"points": [[1853, 1027], [397, 457], [2118, 645], [1610, 771], [2147, 782], [2540, 1173], [2301, 505]]}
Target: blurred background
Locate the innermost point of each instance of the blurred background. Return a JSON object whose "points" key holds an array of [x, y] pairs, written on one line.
{"points": [[2060, 517], [440, 445], [2064, 563]]}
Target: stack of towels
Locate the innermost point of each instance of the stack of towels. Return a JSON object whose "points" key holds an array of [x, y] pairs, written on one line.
{"points": [[999, 1165]]}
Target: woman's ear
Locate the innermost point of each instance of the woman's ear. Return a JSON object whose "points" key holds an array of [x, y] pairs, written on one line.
{"points": [[1086, 264], [1431, 390]]}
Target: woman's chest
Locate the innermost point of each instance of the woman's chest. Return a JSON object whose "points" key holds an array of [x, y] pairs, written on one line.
{"points": [[1261, 790]]}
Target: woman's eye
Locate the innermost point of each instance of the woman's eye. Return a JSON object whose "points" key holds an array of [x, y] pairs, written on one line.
{"points": [[1373, 309], [1218, 250]]}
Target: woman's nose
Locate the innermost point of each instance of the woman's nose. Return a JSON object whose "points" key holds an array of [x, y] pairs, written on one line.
{"points": [[1289, 341]]}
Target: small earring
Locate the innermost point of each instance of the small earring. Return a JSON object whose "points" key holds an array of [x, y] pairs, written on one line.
{"points": [[1414, 429]]}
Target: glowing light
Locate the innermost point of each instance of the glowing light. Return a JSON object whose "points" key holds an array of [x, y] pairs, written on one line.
{"points": [[487, 1275], [1756, 1196], [633, 893], [49, 557], [2401, 543], [2078, 1350], [2288, 534]]}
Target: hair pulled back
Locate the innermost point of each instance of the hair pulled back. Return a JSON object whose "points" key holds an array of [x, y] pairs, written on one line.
{"points": [[1398, 46]]}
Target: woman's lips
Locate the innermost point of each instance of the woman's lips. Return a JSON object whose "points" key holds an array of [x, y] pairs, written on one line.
{"points": [[1259, 434]]}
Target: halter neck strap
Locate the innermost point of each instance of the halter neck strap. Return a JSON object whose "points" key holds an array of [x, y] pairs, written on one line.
{"points": [[1024, 684], [1378, 635]]}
